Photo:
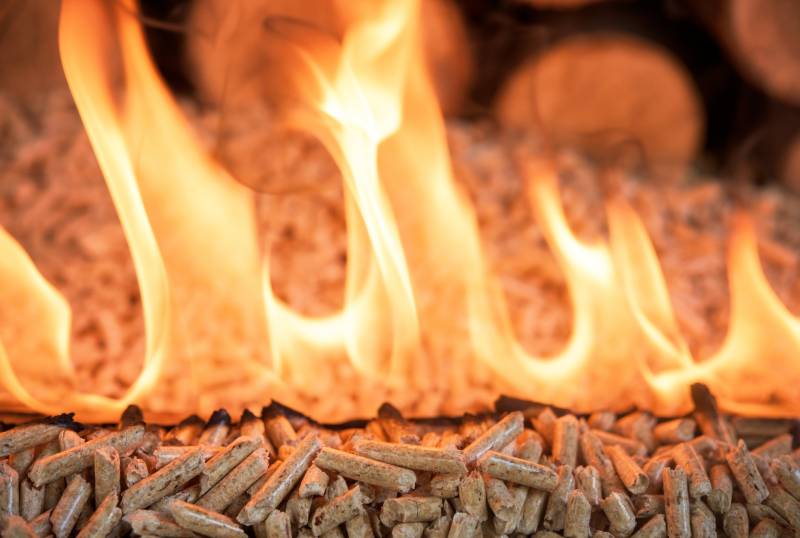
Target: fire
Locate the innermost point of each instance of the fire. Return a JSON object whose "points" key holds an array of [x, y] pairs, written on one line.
{"points": [[423, 320]]}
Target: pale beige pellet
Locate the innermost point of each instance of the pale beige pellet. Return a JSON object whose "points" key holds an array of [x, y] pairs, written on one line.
{"points": [[135, 471], [632, 476], [587, 479], [619, 511], [226, 459], [676, 503], [167, 454], [565, 440], [278, 525], [736, 522], [438, 528], [299, 508], [557, 502], [151, 522], [198, 519], [532, 511], [687, 458], [9, 490], [463, 526], [360, 526], [675, 431], [445, 485], [103, 520], [314, 482], [746, 474], [496, 437], [280, 431], [410, 509], [579, 513], [189, 494], [518, 471], [337, 511], [106, 473], [408, 530], [530, 449], [498, 497], [236, 482], [420, 458], [656, 527], [66, 513], [366, 470], [472, 493], [31, 500], [507, 522], [281, 482], [25, 437], [166, 481], [719, 500]]}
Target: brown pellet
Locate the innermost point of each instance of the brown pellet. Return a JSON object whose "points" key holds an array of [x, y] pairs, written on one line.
{"points": [[530, 449], [687, 458], [166, 481], [675, 431], [25, 437], [410, 509], [445, 485], [408, 530], [565, 440], [757, 512], [496, 437], [135, 471], [41, 524], [746, 474], [69, 439], [69, 507], [360, 526], [106, 473], [299, 508], [463, 526], [648, 505], [702, 521], [654, 467], [736, 523], [187, 431], [438, 528], [198, 519], [281, 482], [226, 459], [785, 505], [9, 490], [719, 500], [278, 525], [676, 503], [216, 430], [366, 470], [587, 479], [594, 454], [236, 482], [499, 498], [508, 522], [78, 458], [31, 500], [189, 494], [545, 423], [168, 454], [14, 526], [766, 528], [314, 482], [639, 426], [787, 471], [579, 513], [337, 511], [602, 420], [472, 493], [518, 471], [656, 527], [619, 511], [20, 461], [253, 426], [420, 458], [557, 502], [777, 446], [280, 431], [152, 523], [103, 520], [338, 487], [532, 511], [631, 446], [632, 476]]}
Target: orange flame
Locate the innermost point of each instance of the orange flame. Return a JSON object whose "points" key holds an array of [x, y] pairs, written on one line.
{"points": [[423, 320]]}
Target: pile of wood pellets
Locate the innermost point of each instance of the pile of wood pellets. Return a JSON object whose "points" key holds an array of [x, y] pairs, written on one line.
{"points": [[531, 471]]}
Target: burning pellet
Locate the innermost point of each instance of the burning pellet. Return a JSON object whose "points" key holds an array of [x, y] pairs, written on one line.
{"points": [[69, 507], [518, 471], [396, 428], [106, 473], [687, 458], [15, 527], [103, 520], [198, 519], [746, 474], [69, 439], [587, 479], [439, 528], [278, 525], [252, 426], [777, 446], [225, 460], [648, 505], [631, 446], [579, 512], [337, 511], [135, 471], [168, 454], [216, 429], [299, 508], [420, 458], [280, 483], [9, 490], [602, 420], [676, 503], [360, 526], [408, 530], [656, 527], [78, 458], [532, 511], [366, 470], [314, 482], [280, 430], [632, 476], [495, 438], [787, 471], [557, 502], [766, 528], [150, 522], [719, 500], [25, 437], [20, 461], [619, 511], [463, 526], [187, 431], [445, 485], [410, 509], [565, 440], [236, 482], [31, 500], [675, 431], [594, 454], [499, 498], [785, 505], [472, 493], [166, 481], [736, 523]]}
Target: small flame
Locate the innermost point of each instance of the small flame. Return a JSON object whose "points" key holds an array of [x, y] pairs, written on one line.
{"points": [[422, 318]]}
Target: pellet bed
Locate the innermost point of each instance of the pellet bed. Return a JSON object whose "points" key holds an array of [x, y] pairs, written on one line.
{"points": [[524, 469]]}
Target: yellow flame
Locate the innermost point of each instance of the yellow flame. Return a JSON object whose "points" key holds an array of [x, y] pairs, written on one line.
{"points": [[422, 313]]}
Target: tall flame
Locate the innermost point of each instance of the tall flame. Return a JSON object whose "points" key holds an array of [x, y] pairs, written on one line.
{"points": [[422, 318]]}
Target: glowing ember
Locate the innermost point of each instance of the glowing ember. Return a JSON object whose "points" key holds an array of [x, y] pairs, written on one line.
{"points": [[417, 287]]}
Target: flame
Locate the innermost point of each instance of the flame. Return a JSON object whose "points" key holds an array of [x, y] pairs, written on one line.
{"points": [[423, 319]]}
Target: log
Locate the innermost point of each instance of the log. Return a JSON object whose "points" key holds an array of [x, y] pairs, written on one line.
{"points": [[597, 91], [229, 60]]}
